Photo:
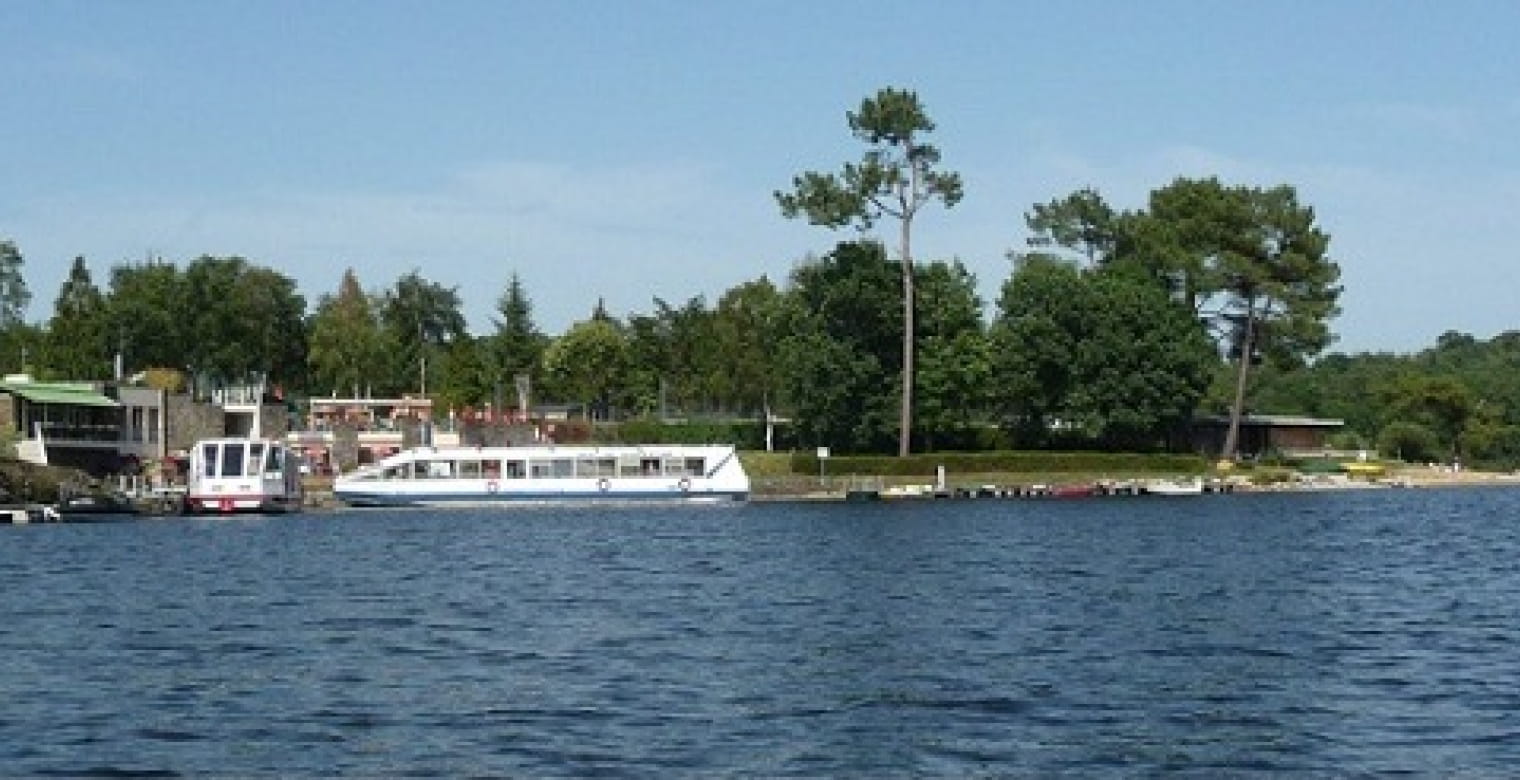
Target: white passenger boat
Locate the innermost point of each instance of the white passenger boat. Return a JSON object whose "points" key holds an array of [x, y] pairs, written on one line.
{"points": [[490, 476], [243, 475]]}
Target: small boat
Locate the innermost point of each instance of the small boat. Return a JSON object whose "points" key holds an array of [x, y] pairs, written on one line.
{"points": [[27, 514], [1174, 487], [1073, 491], [86, 507], [494, 476], [243, 475]]}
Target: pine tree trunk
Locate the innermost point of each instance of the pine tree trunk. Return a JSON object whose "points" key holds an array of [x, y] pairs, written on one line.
{"points": [[1232, 438], [904, 442]]}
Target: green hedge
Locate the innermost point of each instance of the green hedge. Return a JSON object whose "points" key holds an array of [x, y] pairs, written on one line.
{"points": [[744, 434], [1001, 462]]}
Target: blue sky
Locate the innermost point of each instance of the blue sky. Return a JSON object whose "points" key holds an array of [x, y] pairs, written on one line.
{"points": [[629, 150]]}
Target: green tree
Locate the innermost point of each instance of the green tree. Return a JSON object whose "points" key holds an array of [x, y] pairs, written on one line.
{"points": [[516, 346], [1252, 263], [1081, 222], [464, 377], [954, 368], [1442, 405], [1279, 292], [14, 295], [589, 364], [1144, 364], [747, 324], [78, 344], [833, 388], [345, 340], [1035, 339], [418, 318], [1098, 358], [895, 177], [247, 322], [1410, 442], [14, 298], [150, 320], [838, 361]]}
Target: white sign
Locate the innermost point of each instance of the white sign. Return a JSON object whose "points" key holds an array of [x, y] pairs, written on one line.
{"points": [[823, 452]]}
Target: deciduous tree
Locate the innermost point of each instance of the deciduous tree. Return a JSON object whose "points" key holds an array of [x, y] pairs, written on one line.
{"points": [[589, 364], [418, 319], [345, 340]]}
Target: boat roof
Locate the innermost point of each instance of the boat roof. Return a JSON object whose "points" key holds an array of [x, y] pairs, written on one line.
{"points": [[567, 449]]}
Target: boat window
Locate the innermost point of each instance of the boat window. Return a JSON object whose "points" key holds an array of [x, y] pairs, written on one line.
{"points": [[232, 459], [440, 469], [675, 467], [469, 469], [650, 467], [208, 460], [419, 469], [492, 469], [393, 472], [553, 467], [628, 467], [596, 467], [255, 457], [516, 469], [696, 467]]}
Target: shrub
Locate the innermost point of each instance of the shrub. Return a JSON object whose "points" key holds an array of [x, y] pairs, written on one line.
{"points": [[1409, 441]]}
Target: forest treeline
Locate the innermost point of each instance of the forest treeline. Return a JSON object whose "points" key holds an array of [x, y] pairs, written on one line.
{"points": [[1112, 330], [1072, 357]]}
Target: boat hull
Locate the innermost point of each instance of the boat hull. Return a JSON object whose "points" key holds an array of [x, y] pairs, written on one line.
{"points": [[529, 498]]}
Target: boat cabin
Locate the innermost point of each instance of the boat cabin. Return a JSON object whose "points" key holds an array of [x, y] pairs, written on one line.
{"points": [[239, 474], [476, 465]]}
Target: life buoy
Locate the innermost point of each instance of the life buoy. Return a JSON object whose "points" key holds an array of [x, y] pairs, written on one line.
{"points": [[491, 486], [684, 484], [603, 485]]}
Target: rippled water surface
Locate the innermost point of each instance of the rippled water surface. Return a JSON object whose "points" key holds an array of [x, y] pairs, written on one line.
{"points": [[1330, 633]]}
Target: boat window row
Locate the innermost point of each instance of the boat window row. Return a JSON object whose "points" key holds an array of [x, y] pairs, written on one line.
{"points": [[598, 467], [240, 459]]}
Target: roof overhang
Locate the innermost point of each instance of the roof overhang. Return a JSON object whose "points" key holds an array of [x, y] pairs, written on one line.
{"points": [[58, 394]]}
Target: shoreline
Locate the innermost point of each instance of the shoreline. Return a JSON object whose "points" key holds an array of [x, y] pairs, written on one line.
{"points": [[870, 488]]}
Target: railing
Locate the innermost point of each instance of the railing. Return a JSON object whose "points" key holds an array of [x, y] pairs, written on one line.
{"points": [[75, 432]]}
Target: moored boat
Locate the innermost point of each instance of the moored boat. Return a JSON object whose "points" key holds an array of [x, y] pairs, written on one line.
{"points": [[492, 476], [1174, 487], [243, 475]]}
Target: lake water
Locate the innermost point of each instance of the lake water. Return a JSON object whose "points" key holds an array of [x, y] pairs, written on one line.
{"points": [[1336, 633]]}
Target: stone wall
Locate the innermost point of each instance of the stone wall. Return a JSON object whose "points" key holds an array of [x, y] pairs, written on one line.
{"points": [[345, 447], [474, 433], [187, 421]]}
